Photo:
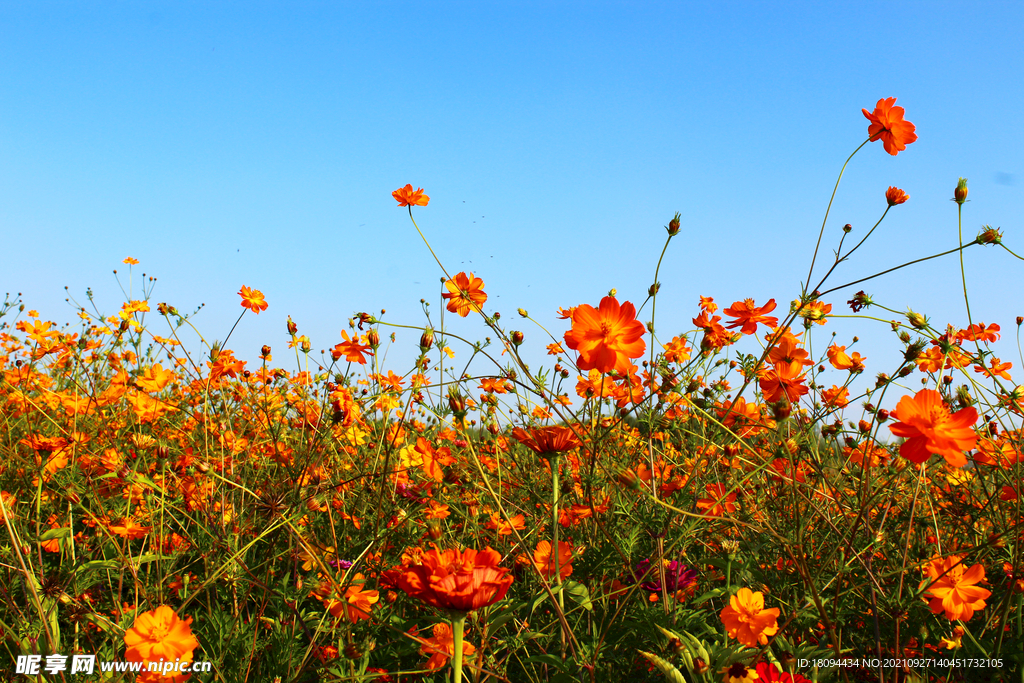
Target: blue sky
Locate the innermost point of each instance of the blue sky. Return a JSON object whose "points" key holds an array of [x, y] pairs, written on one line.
{"points": [[229, 144]]}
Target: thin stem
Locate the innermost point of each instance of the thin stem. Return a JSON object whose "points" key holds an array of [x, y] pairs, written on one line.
{"points": [[428, 244], [829, 208], [884, 272], [458, 626]]}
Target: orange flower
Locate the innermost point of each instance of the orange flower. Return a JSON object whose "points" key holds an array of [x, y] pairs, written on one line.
{"points": [[130, 529], [895, 195], [351, 349], [952, 588], [407, 197], [505, 528], [544, 440], [748, 315], [131, 261], [442, 646], [252, 299], [452, 580], [356, 604], [606, 337], [887, 125], [928, 427], [746, 619], [464, 294], [159, 634], [836, 397], [718, 502], [840, 360], [544, 561], [783, 379]]}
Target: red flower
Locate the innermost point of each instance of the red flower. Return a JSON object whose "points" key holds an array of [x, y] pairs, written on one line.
{"points": [[895, 195], [543, 440], [452, 580], [928, 427], [406, 196], [606, 337], [887, 125]]}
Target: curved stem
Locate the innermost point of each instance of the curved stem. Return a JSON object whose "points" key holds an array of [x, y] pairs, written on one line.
{"points": [[428, 244], [829, 208]]}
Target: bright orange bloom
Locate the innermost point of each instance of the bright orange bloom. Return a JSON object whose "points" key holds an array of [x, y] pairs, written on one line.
{"points": [[442, 646], [131, 261], [252, 299], [928, 427], [606, 337], [406, 196], [887, 125], [505, 528], [815, 311], [351, 349], [718, 502], [544, 561], [836, 397], [783, 379], [159, 634], [130, 529], [748, 315], [356, 604], [895, 195], [840, 360], [708, 305], [464, 294], [746, 619], [715, 336], [952, 588], [998, 369], [544, 440], [452, 580]]}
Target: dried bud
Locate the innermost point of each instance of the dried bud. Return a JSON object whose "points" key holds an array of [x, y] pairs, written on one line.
{"points": [[881, 380], [989, 235], [673, 226], [960, 193]]}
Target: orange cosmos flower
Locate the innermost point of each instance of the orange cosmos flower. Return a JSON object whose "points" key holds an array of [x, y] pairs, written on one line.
{"points": [[928, 427], [895, 195], [783, 379], [406, 196], [544, 440], [718, 503], [952, 588], [748, 315], [442, 646], [464, 294], [836, 397], [351, 349], [544, 561], [887, 125], [131, 261], [356, 604], [607, 337], [746, 619], [452, 580], [504, 528], [130, 529], [159, 634], [840, 360], [252, 299]]}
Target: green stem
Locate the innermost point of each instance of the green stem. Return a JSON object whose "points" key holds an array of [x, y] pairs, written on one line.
{"points": [[553, 460], [458, 625]]}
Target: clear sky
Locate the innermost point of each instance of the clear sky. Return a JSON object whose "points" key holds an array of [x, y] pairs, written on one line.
{"points": [[227, 144]]}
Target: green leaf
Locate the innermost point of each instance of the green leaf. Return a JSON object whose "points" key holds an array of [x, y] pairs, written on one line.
{"points": [[549, 659], [579, 594], [49, 534], [672, 674]]}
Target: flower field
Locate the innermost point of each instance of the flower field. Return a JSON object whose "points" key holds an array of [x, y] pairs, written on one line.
{"points": [[726, 503]]}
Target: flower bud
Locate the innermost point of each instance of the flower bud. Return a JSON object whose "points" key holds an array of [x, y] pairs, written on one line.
{"points": [[917, 320], [265, 350], [517, 337], [989, 235], [847, 228], [456, 402], [292, 327], [960, 193], [426, 340], [612, 292], [654, 289], [673, 226], [373, 338], [882, 415], [522, 312]]}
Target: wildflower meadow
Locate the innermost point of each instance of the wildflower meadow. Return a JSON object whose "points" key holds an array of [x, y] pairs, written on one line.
{"points": [[744, 499]]}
